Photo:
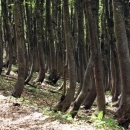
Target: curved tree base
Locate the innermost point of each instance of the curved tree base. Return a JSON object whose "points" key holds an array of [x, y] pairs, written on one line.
{"points": [[123, 116], [115, 98], [125, 124], [62, 106], [18, 89], [53, 80], [90, 98], [40, 77], [6, 63], [65, 101], [75, 109], [53, 77]]}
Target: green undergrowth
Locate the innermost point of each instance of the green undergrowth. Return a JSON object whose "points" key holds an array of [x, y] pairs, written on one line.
{"points": [[104, 123], [41, 98], [64, 118]]}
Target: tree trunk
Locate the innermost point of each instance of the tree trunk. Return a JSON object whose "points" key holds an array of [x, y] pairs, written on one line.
{"points": [[20, 48], [98, 68], [91, 94], [50, 34], [123, 113], [7, 35], [30, 41], [40, 40], [80, 42], [127, 19], [93, 44], [98, 71], [1, 47], [65, 104]]}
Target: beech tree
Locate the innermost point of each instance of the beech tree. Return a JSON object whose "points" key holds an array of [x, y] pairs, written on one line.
{"points": [[1, 46], [94, 61], [123, 113], [65, 104], [18, 10]]}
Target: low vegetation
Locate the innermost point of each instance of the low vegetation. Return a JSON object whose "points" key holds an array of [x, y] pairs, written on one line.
{"points": [[41, 99]]}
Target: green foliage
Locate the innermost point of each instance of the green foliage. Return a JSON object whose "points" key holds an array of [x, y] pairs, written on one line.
{"points": [[14, 68], [21, 99], [35, 90], [100, 115], [27, 102], [37, 83], [59, 115], [5, 84], [31, 4], [10, 5], [104, 123]]}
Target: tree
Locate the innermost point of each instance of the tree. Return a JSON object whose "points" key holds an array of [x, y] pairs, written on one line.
{"points": [[123, 113], [80, 43], [30, 40], [66, 102], [18, 13], [94, 61], [40, 40], [50, 41], [7, 36], [1, 47]]}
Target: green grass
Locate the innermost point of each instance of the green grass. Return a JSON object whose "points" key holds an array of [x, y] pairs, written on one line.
{"points": [[104, 123], [62, 117], [42, 98]]}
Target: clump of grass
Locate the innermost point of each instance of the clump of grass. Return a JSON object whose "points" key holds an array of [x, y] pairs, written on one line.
{"points": [[104, 123], [6, 85], [64, 118]]}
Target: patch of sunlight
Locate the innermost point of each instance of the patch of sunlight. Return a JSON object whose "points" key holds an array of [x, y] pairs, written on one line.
{"points": [[2, 97], [108, 99], [33, 116], [13, 74]]}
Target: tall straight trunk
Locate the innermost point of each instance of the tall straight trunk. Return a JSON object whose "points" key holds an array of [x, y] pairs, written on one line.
{"points": [[123, 113], [18, 89], [98, 71], [80, 42], [114, 62], [127, 19], [50, 40], [65, 104], [104, 41], [98, 68], [12, 32], [110, 33], [74, 25], [59, 48], [1, 47], [7, 34], [91, 95], [40, 40], [36, 63], [116, 74], [30, 41]]}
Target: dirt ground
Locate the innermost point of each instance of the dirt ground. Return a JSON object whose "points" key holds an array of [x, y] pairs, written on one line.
{"points": [[22, 117], [30, 113]]}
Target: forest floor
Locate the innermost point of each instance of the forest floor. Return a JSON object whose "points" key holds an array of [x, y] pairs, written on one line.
{"points": [[33, 111], [26, 117]]}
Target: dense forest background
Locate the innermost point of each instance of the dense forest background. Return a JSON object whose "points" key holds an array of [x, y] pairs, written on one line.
{"points": [[84, 41]]}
